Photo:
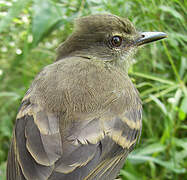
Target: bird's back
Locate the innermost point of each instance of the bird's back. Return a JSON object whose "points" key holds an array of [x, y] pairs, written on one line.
{"points": [[79, 120]]}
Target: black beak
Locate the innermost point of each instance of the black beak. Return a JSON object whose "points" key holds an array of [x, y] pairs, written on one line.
{"points": [[147, 37]]}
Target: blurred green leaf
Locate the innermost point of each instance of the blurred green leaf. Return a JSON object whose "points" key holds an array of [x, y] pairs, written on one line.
{"points": [[183, 106], [2, 171], [127, 175], [13, 12], [182, 115], [159, 103], [167, 164], [150, 149], [181, 143], [183, 127], [149, 76], [46, 15], [172, 12], [10, 94]]}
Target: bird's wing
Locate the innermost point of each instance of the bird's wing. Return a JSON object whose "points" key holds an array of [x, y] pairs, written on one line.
{"points": [[37, 149], [36, 144], [121, 134], [113, 140], [94, 150], [114, 137]]}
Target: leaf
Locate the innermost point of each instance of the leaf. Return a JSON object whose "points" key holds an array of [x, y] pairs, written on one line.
{"points": [[182, 115], [159, 103], [181, 143], [172, 11], [183, 66], [46, 16], [13, 12], [151, 77], [167, 164], [183, 106], [3, 171], [150, 149], [128, 175], [183, 127], [10, 94], [161, 93]]}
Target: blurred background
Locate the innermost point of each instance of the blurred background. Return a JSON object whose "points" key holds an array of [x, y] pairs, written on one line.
{"points": [[30, 32]]}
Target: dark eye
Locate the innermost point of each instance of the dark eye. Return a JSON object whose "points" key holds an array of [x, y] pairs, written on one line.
{"points": [[116, 41]]}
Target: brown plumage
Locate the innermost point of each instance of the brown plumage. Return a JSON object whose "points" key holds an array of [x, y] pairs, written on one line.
{"points": [[82, 115]]}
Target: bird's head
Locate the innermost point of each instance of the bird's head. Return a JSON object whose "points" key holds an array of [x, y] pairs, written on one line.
{"points": [[105, 37]]}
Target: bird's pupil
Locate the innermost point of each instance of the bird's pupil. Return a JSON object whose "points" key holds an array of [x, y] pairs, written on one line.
{"points": [[116, 41]]}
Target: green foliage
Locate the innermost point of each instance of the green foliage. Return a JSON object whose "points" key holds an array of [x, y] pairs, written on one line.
{"points": [[31, 30]]}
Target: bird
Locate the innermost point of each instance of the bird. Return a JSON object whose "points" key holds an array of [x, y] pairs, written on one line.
{"points": [[82, 115]]}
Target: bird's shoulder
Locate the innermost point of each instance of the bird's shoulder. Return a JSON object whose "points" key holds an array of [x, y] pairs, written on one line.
{"points": [[77, 81]]}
